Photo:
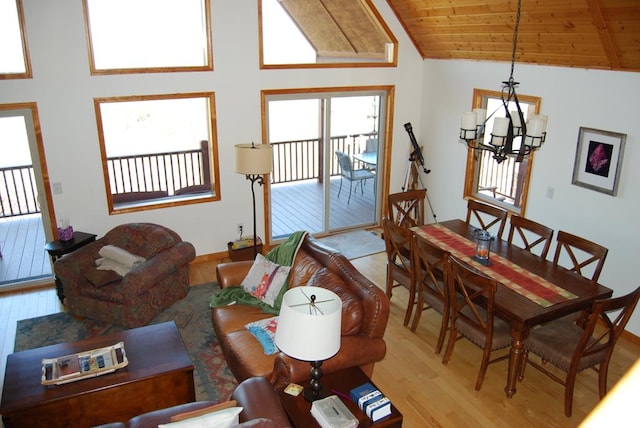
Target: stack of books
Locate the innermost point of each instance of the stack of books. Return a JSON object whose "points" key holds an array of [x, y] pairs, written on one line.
{"points": [[371, 401], [245, 242]]}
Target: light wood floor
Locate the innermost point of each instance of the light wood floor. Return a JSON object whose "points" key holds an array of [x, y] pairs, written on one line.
{"points": [[428, 393]]}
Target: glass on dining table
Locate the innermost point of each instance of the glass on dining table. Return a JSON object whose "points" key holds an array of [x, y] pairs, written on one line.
{"points": [[483, 246]]}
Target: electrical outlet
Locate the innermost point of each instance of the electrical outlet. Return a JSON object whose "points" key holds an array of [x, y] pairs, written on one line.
{"points": [[240, 228]]}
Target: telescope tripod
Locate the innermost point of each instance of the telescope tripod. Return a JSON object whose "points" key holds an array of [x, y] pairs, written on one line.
{"points": [[413, 181]]}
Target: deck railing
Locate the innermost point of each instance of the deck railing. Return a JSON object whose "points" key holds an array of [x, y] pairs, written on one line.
{"points": [[167, 173], [18, 192], [174, 173], [303, 159], [500, 180]]}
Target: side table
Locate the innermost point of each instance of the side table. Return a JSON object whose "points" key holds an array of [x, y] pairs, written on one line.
{"points": [[58, 248], [343, 381]]}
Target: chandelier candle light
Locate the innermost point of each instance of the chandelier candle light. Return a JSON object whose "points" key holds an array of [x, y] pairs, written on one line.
{"points": [[309, 330], [254, 162], [505, 129]]}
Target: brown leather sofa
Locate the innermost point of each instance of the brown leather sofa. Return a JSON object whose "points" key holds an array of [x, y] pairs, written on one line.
{"points": [[365, 313], [260, 403]]}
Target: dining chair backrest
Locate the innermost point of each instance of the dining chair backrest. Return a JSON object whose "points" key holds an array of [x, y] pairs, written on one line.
{"points": [[582, 254], [399, 248], [487, 217], [573, 348], [407, 208], [530, 234], [471, 298], [430, 263]]}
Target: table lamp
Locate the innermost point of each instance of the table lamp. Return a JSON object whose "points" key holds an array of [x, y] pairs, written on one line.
{"points": [[309, 329], [254, 162]]}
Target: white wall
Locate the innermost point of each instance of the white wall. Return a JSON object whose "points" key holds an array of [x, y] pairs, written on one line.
{"points": [[64, 90], [429, 94], [571, 98]]}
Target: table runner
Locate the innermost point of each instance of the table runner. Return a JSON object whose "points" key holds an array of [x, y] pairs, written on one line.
{"points": [[520, 280]]}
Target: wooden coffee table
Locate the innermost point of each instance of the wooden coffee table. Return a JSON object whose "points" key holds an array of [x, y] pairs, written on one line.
{"points": [[159, 374], [343, 381]]}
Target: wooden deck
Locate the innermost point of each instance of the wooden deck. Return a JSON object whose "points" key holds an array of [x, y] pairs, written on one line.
{"points": [[298, 206], [295, 206], [23, 258]]}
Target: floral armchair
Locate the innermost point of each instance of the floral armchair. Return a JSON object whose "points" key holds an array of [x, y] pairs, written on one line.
{"points": [[139, 296]]}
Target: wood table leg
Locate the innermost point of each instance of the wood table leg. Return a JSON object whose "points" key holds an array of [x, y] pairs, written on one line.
{"points": [[516, 358]]}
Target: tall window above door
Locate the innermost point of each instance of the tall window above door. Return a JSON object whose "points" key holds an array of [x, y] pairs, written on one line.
{"points": [[145, 36], [14, 56], [324, 33], [503, 184]]}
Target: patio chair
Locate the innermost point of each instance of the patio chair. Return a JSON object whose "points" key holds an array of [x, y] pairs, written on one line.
{"points": [[352, 175]]}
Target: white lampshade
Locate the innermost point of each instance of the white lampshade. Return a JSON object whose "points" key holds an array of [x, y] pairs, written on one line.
{"points": [[306, 331], [253, 158]]}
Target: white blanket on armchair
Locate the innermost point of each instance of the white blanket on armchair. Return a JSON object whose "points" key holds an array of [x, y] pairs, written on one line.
{"points": [[117, 259]]}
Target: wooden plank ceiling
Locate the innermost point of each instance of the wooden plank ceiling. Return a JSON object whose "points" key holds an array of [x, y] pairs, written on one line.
{"points": [[339, 28], [600, 34]]}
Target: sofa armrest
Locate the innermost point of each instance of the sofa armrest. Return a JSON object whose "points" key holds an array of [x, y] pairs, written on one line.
{"points": [[151, 272], [231, 274], [259, 400], [354, 351]]}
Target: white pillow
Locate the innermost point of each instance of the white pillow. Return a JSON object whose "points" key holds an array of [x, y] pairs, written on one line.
{"points": [[226, 418], [265, 279]]}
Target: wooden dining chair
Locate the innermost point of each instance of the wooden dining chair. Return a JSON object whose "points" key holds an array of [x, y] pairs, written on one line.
{"points": [[471, 297], [530, 234], [430, 263], [487, 217], [571, 348], [582, 254], [399, 243], [407, 208]]}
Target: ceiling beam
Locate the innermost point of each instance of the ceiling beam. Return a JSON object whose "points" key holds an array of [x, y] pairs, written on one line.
{"points": [[599, 20]]}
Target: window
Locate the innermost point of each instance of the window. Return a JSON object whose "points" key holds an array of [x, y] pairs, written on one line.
{"points": [[135, 36], [317, 33], [14, 57], [503, 184], [158, 150]]}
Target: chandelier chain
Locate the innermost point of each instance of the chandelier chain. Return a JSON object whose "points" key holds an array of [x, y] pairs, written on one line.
{"points": [[515, 40]]}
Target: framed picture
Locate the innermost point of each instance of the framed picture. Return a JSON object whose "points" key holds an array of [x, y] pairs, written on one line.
{"points": [[598, 160]]}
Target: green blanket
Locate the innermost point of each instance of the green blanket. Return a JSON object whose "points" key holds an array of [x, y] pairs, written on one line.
{"points": [[284, 255]]}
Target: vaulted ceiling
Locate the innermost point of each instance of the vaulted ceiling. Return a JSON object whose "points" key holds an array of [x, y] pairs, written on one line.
{"points": [[601, 34]]}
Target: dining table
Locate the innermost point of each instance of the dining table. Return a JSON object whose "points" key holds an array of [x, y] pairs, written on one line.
{"points": [[531, 290], [368, 158]]}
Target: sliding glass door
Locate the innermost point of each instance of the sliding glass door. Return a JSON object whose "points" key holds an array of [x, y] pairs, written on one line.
{"points": [[326, 161]]}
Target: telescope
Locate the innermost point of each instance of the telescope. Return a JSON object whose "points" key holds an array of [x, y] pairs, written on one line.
{"points": [[417, 152]]}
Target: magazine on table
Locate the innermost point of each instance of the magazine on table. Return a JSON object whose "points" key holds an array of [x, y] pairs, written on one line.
{"points": [[83, 365]]}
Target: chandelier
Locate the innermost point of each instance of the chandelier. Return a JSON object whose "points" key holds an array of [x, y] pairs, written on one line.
{"points": [[513, 127]]}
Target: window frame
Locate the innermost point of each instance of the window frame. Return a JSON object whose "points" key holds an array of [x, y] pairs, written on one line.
{"points": [[159, 69], [171, 200], [28, 73], [472, 166]]}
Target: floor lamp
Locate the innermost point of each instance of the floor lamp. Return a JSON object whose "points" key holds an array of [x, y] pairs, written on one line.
{"points": [[254, 162]]}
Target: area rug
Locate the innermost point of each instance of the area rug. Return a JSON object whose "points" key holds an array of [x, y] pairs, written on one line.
{"points": [[212, 378], [355, 244]]}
